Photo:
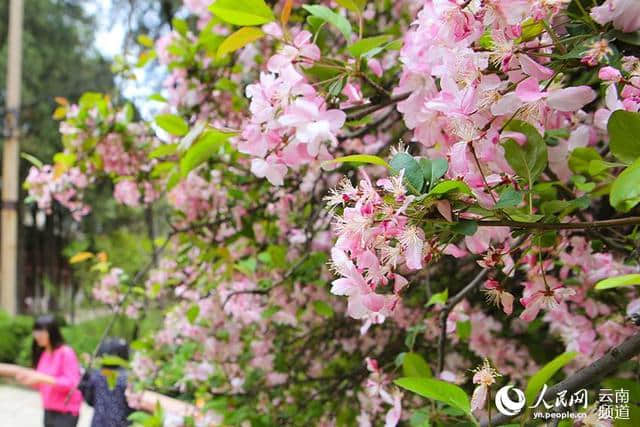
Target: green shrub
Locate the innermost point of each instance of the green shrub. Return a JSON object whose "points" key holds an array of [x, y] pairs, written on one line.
{"points": [[14, 331]]}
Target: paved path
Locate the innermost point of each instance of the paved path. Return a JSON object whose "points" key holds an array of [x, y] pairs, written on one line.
{"points": [[20, 407]]}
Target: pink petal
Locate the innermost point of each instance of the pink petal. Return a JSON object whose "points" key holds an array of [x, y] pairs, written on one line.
{"points": [[571, 98], [534, 69], [506, 105], [529, 90], [479, 397], [375, 67], [454, 251], [506, 299]]}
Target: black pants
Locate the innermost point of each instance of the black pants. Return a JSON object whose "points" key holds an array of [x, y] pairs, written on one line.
{"points": [[59, 419]]}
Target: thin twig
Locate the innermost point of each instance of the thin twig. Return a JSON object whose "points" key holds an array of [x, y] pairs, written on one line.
{"points": [[266, 290], [607, 223], [360, 111]]}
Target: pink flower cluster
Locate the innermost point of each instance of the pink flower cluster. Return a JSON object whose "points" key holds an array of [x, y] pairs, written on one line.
{"points": [[116, 158], [377, 392], [470, 102], [107, 290], [196, 197], [290, 122], [375, 239], [45, 185], [625, 14]]}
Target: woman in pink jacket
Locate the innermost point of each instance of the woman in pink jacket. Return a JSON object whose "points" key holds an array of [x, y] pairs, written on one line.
{"points": [[56, 375]]}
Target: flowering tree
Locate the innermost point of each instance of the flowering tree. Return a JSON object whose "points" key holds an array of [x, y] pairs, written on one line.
{"points": [[319, 270]]}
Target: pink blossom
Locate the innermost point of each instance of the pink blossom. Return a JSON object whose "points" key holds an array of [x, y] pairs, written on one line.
{"points": [[312, 125], [301, 48], [127, 193], [270, 169], [547, 298], [496, 294], [609, 74], [568, 99], [625, 14]]}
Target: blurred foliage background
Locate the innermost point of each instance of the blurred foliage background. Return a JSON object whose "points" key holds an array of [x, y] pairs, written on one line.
{"points": [[61, 59]]}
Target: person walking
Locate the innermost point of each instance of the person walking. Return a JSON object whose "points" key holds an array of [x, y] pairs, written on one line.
{"points": [[56, 374], [110, 406]]}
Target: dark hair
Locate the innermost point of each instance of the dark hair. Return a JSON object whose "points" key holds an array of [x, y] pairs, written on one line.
{"points": [[113, 346], [49, 323]]}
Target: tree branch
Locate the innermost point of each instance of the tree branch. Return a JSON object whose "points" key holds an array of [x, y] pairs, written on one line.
{"points": [[360, 111], [589, 375], [618, 222], [265, 290]]}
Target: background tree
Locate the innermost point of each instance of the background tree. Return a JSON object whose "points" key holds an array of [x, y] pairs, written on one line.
{"points": [[59, 60]]}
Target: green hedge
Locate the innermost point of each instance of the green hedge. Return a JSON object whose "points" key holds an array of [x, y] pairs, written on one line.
{"points": [[15, 333]]}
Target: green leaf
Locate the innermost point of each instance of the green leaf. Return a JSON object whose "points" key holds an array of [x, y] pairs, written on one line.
{"points": [[509, 198], [163, 151], [360, 158], [625, 191], [412, 171], [113, 360], [247, 266], [467, 228], [420, 418], [349, 4], [157, 97], [439, 298], [411, 335], [323, 309], [180, 25], [192, 313], [363, 46], [624, 135], [580, 159], [242, 12], [439, 167], [65, 159], [32, 159], [239, 39], [540, 378], [629, 38], [618, 281], [598, 166], [564, 207], [530, 30], [173, 179], [450, 186], [413, 365], [207, 144], [463, 329], [173, 124], [433, 169], [270, 311], [336, 86], [438, 390], [145, 40], [530, 159], [326, 14], [581, 183], [486, 40]]}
